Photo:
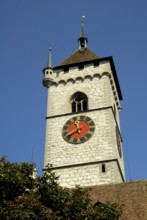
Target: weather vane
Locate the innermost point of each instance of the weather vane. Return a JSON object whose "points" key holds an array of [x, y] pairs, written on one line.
{"points": [[82, 19], [50, 47]]}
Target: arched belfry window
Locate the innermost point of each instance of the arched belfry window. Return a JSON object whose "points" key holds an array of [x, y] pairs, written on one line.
{"points": [[79, 102]]}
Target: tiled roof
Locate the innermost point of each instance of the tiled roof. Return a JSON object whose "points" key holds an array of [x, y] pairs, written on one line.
{"points": [[79, 56], [132, 195]]}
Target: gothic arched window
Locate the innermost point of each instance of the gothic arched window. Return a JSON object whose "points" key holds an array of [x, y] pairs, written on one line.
{"points": [[79, 102]]}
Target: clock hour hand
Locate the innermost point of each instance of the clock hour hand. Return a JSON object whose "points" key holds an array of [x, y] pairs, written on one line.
{"points": [[74, 131]]}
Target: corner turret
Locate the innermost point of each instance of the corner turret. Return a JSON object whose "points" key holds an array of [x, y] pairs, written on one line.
{"points": [[48, 71]]}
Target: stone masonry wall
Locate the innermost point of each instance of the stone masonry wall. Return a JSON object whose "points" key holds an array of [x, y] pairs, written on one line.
{"points": [[95, 83], [90, 175]]}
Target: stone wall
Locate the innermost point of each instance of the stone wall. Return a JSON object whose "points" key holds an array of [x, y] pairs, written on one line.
{"points": [[96, 83], [89, 175]]}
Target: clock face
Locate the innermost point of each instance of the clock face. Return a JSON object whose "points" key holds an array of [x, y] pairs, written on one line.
{"points": [[118, 142], [78, 129]]}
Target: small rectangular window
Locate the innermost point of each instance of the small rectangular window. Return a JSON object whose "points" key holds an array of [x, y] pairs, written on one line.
{"points": [[74, 107], [79, 109], [81, 66], [103, 168], [96, 63], [66, 69]]}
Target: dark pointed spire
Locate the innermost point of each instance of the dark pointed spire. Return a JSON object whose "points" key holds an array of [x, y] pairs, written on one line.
{"points": [[82, 40]]}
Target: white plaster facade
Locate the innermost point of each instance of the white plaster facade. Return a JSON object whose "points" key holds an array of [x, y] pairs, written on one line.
{"points": [[81, 164]]}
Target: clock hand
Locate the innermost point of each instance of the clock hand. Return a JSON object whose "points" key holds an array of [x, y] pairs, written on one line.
{"points": [[78, 126], [74, 131]]}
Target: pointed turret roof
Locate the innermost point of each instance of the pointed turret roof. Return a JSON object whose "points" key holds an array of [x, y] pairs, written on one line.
{"points": [[82, 31], [49, 58], [82, 39], [83, 54]]}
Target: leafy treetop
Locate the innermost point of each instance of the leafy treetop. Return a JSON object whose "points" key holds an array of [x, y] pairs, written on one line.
{"points": [[23, 197]]}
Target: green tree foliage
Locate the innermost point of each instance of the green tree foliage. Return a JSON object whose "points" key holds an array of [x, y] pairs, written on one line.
{"points": [[23, 197]]}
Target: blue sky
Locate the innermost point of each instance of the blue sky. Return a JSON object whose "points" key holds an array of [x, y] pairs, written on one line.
{"points": [[27, 28]]}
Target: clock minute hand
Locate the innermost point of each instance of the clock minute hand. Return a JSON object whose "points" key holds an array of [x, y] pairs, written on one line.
{"points": [[72, 132]]}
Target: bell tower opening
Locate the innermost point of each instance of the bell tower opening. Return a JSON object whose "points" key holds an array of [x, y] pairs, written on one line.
{"points": [[79, 102]]}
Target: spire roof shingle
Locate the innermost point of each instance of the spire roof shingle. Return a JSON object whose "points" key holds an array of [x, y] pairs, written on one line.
{"points": [[79, 56]]}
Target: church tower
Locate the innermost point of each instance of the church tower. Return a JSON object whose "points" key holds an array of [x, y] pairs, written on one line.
{"points": [[83, 137]]}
